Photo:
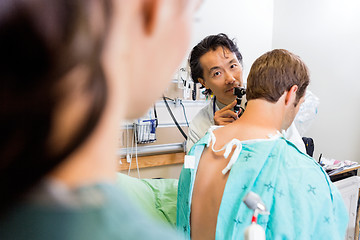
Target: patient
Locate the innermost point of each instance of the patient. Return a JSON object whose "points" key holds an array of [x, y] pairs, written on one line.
{"points": [[250, 154]]}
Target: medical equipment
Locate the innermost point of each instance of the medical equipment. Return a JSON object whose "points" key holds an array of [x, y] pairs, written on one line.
{"points": [[129, 154], [193, 95], [145, 128], [184, 83], [239, 93], [136, 156], [173, 117], [145, 131], [181, 78], [254, 231], [307, 113]]}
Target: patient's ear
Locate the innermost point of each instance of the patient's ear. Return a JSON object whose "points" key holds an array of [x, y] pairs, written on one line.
{"points": [[290, 97]]}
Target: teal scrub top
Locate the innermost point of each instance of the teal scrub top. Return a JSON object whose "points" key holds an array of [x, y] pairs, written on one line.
{"points": [[106, 214]]}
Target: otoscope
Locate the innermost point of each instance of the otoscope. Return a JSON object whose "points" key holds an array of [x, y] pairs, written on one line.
{"points": [[239, 92]]}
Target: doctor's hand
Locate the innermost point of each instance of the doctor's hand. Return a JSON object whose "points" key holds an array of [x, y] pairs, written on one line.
{"points": [[226, 115]]}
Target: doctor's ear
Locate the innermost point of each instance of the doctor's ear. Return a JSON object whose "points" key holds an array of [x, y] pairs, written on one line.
{"points": [[200, 80], [291, 95]]}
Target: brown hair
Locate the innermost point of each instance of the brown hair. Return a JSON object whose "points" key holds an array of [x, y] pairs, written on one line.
{"points": [[41, 41], [275, 72]]}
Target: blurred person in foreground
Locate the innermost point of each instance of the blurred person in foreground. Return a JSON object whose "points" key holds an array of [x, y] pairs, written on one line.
{"points": [[70, 70]]}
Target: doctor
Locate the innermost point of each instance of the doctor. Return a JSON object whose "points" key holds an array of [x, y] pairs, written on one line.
{"points": [[216, 63]]}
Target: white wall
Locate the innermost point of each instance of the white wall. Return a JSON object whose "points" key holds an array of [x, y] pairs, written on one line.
{"points": [[250, 22], [326, 35]]}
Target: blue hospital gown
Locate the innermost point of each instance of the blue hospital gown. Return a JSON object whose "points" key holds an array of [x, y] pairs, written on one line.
{"points": [[302, 201]]}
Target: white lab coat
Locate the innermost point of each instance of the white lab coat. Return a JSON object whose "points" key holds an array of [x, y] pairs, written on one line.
{"points": [[205, 119]]}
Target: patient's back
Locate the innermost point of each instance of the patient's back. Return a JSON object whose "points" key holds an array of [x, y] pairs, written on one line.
{"points": [[210, 182], [208, 190], [302, 201]]}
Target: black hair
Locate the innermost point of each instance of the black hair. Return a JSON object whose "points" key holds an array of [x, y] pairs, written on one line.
{"points": [[210, 43], [39, 45]]}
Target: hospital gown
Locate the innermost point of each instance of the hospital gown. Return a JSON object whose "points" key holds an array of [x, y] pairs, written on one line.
{"points": [[302, 201]]}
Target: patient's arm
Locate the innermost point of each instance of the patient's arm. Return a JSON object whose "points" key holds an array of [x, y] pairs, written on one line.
{"points": [[207, 194]]}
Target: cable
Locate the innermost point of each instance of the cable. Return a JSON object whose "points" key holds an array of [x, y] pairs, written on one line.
{"points": [[187, 123], [136, 156], [169, 98], [156, 118], [172, 116], [132, 145]]}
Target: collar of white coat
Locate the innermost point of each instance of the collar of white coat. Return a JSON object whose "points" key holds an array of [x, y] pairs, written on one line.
{"points": [[229, 146]]}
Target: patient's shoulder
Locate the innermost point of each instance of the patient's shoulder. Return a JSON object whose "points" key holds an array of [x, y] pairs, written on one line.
{"points": [[302, 168], [295, 155]]}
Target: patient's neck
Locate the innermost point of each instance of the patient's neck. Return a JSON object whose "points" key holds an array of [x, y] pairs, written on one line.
{"points": [[263, 114], [260, 120]]}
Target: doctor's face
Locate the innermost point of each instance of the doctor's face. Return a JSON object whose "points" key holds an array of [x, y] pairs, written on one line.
{"points": [[222, 72]]}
